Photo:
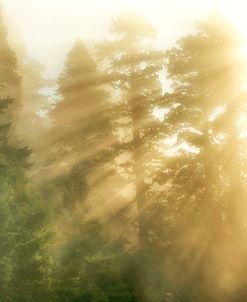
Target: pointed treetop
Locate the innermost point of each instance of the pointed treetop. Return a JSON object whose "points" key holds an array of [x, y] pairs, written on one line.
{"points": [[79, 57]]}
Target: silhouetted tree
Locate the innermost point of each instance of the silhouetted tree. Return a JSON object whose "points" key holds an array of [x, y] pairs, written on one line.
{"points": [[133, 66], [10, 80], [206, 68], [24, 236], [82, 138]]}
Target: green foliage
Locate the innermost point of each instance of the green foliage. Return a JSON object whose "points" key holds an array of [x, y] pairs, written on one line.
{"points": [[188, 171], [89, 267], [24, 236]]}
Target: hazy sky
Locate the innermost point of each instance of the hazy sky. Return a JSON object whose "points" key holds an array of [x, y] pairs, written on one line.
{"points": [[49, 27]]}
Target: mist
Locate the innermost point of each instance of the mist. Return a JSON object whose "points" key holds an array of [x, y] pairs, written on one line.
{"points": [[123, 163]]}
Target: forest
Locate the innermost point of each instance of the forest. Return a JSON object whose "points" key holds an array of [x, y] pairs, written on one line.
{"points": [[123, 186]]}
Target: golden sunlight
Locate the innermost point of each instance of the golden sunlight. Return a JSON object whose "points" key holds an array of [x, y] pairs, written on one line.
{"points": [[123, 159]]}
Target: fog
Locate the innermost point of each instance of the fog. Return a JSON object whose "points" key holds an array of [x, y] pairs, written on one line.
{"points": [[48, 28], [123, 162]]}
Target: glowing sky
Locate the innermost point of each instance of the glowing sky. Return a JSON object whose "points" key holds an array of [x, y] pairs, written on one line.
{"points": [[49, 27]]}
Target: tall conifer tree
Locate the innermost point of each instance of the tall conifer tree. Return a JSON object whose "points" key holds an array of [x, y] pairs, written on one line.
{"points": [[133, 71]]}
